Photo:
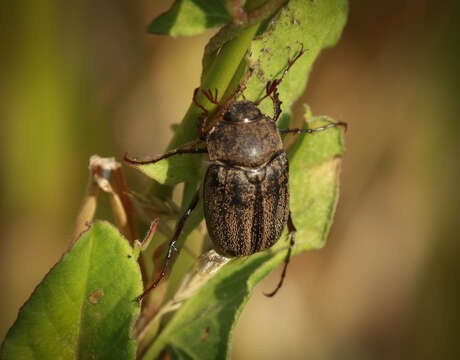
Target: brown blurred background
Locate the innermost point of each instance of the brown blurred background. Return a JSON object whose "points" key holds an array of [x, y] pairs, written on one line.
{"points": [[79, 78]]}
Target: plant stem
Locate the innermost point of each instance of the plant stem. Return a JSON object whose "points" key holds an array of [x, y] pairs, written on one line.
{"points": [[218, 77]]}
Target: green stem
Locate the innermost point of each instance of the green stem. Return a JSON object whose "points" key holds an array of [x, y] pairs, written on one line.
{"points": [[218, 77]]}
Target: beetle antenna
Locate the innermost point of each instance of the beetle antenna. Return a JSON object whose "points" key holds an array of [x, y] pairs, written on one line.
{"points": [[172, 246], [292, 231]]}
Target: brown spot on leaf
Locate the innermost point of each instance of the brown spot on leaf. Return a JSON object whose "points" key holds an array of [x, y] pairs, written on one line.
{"points": [[294, 20], [205, 333], [94, 297]]}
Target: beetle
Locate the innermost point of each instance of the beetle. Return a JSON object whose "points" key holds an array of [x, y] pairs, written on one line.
{"points": [[245, 189]]}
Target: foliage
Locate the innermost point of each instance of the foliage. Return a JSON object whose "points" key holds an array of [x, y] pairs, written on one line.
{"points": [[84, 307]]}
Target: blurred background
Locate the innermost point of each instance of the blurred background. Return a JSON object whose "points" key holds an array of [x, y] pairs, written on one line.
{"points": [[83, 78]]}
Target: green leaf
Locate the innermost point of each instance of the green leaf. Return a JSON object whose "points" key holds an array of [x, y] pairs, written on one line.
{"points": [[314, 167], [173, 170], [190, 17], [84, 308], [315, 25], [202, 327]]}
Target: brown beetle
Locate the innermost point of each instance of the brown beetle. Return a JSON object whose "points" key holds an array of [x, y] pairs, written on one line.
{"points": [[246, 187]]}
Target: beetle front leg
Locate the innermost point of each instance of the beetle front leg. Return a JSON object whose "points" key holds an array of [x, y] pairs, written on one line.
{"points": [[276, 105], [272, 86], [292, 231], [172, 245], [178, 151]]}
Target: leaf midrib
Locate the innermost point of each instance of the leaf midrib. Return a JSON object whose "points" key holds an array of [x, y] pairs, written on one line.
{"points": [[83, 304]]}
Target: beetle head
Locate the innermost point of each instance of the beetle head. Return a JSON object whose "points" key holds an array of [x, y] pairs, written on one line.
{"points": [[242, 111]]}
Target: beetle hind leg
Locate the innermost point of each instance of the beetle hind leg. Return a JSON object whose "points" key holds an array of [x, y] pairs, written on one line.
{"points": [[172, 246], [292, 231], [344, 125]]}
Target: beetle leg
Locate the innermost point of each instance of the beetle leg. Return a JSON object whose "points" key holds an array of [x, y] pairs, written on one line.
{"points": [[203, 119], [276, 105], [177, 151], [212, 97], [292, 231], [172, 245], [311, 131], [272, 86], [195, 101]]}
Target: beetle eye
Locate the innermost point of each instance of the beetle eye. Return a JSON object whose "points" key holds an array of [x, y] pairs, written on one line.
{"points": [[228, 116]]}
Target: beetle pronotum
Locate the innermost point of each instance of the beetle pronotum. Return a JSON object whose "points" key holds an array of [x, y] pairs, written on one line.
{"points": [[246, 187]]}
